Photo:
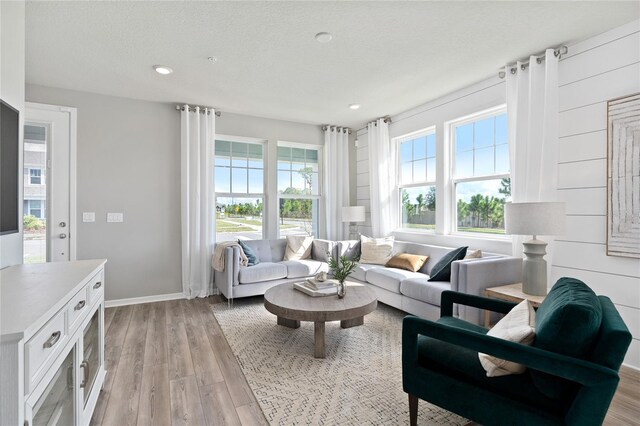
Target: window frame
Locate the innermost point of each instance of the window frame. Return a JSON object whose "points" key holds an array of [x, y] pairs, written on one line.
{"points": [[231, 194], [427, 131], [453, 181], [318, 197]]}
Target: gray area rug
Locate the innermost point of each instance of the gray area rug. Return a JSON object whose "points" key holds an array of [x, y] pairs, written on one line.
{"points": [[359, 382]]}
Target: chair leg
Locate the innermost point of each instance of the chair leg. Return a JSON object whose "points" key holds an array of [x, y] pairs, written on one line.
{"points": [[413, 410]]}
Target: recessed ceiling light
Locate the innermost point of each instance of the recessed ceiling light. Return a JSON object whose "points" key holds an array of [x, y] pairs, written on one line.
{"points": [[213, 59], [324, 37], [161, 69], [354, 106]]}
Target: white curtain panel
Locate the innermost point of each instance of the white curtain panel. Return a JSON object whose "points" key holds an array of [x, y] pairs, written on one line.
{"points": [[336, 181], [532, 106], [382, 175], [197, 200]]}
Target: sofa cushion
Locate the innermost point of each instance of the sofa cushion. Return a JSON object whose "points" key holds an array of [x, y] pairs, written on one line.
{"points": [[304, 268], [268, 250], [567, 322], [423, 290], [298, 247], [390, 278], [264, 271], [376, 251], [410, 262], [252, 257], [441, 271], [463, 363], [321, 250], [360, 273]]}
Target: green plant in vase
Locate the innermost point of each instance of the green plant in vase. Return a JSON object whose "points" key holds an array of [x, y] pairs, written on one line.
{"points": [[341, 268]]}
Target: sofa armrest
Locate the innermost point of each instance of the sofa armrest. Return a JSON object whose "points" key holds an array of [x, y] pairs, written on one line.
{"points": [[574, 369], [473, 276], [451, 297], [225, 280]]}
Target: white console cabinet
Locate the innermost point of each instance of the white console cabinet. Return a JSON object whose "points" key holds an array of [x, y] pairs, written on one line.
{"points": [[51, 342]]}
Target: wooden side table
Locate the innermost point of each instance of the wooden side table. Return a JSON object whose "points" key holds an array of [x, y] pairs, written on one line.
{"points": [[510, 293]]}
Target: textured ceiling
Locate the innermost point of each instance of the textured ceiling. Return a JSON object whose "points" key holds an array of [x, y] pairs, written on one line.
{"points": [[386, 56]]}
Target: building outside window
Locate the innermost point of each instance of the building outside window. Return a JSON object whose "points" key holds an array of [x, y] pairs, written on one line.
{"points": [[299, 195], [417, 180], [239, 187], [481, 175]]}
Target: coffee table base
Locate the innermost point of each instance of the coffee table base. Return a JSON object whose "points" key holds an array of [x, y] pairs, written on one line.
{"points": [[318, 331]]}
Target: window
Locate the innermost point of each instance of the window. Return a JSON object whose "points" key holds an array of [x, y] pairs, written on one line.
{"points": [[481, 179], [35, 208], [35, 176], [417, 177], [299, 175], [239, 186]]}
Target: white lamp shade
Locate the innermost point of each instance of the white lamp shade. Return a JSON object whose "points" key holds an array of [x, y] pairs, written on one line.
{"points": [[543, 218], [353, 214]]}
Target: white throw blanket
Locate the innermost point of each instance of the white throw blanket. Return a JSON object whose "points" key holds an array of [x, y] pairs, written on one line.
{"points": [[218, 254]]}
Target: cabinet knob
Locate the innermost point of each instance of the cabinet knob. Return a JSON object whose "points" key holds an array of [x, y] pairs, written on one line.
{"points": [[97, 285], [52, 340], [80, 305], [63, 236]]}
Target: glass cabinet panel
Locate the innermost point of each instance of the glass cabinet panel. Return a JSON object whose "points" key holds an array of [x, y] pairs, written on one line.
{"points": [[90, 355], [55, 405]]}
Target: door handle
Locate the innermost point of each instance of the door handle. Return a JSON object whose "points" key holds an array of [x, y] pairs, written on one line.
{"points": [[85, 370], [63, 236]]}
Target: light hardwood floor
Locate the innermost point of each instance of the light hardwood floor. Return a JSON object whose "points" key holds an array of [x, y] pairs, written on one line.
{"points": [[169, 363]]}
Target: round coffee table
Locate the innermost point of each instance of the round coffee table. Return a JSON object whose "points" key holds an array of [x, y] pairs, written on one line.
{"points": [[292, 306]]}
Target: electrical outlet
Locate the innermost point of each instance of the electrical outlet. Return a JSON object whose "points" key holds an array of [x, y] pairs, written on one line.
{"points": [[115, 217], [88, 216]]}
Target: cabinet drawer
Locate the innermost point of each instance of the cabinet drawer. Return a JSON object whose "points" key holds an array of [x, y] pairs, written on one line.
{"points": [[42, 348], [77, 307], [96, 287]]}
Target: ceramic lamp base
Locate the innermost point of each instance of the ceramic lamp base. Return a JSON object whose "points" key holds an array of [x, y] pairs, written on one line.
{"points": [[534, 278]]}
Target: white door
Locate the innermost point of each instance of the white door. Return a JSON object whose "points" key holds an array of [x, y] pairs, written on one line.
{"points": [[49, 184]]}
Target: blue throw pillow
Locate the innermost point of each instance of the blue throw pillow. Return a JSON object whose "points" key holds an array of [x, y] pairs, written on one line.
{"points": [[251, 255], [441, 271]]}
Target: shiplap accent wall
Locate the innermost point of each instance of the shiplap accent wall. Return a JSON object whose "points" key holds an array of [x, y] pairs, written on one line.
{"points": [[594, 71]]}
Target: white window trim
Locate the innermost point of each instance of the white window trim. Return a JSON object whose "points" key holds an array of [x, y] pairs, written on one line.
{"points": [[452, 217], [431, 130], [41, 175], [320, 196], [263, 195]]}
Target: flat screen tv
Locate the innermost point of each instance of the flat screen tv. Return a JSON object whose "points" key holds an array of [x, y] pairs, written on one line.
{"points": [[9, 168]]}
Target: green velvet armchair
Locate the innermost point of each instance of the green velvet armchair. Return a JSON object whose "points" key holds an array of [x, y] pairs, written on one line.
{"points": [[572, 370]]}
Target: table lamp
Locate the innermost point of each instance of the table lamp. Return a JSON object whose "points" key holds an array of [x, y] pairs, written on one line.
{"points": [[352, 215], [540, 218]]}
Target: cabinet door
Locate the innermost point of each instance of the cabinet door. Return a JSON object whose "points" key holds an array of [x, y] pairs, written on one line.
{"points": [[90, 355], [55, 406]]}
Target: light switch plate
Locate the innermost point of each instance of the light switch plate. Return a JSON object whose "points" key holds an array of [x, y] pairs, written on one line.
{"points": [[115, 217], [88, 216]]}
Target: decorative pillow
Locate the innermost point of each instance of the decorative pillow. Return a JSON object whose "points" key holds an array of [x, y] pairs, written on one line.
{"points": [[321, 250], [473, 254], [441, 271], [250, 253], [410, 262], [567, 322], [298, 247], [517, 326], [376, 251]]}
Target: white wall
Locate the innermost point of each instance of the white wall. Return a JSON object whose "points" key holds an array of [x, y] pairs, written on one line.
{"points": [[594, 71], [12, 39]]}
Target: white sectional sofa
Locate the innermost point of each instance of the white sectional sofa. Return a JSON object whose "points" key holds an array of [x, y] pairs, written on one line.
{"points": [[409, 291]]}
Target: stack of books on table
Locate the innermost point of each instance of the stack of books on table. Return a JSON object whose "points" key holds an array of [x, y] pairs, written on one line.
{"points": [[315, 288]]}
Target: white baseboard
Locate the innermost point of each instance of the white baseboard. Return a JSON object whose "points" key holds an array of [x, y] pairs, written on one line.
{"points": [[144, 299]]}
